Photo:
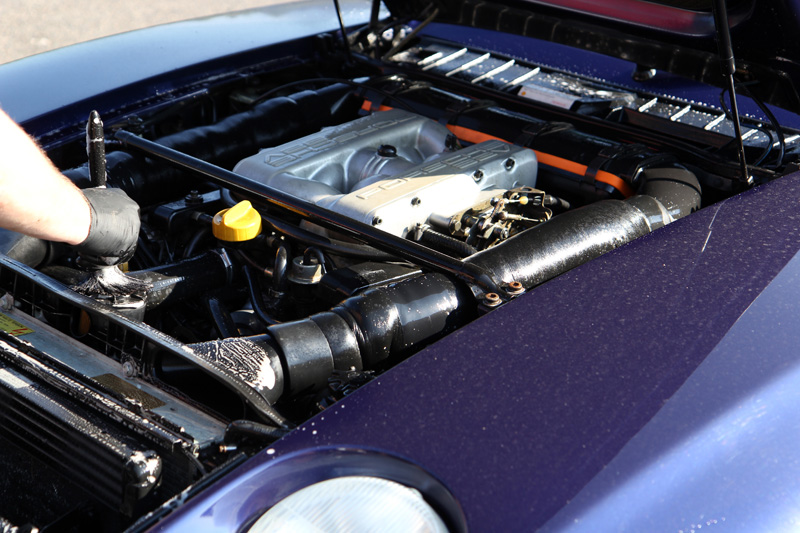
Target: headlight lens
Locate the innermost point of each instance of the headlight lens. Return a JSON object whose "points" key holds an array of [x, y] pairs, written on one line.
{"points": [[352, 504]]}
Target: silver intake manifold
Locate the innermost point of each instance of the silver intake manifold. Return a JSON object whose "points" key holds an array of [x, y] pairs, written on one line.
{"points": [[392, 169]]}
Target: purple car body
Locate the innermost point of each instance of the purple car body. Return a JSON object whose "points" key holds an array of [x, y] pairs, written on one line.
{"points": [[653, 388]]}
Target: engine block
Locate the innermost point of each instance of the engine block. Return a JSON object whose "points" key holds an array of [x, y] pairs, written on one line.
{"points": [[392, 169]]}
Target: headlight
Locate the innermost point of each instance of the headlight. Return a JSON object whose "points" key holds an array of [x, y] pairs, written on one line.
{"points": [[353, 504]]}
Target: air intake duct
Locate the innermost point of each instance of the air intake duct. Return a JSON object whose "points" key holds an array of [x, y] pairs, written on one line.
{"points": [[387, 323], [578, 236], [364, 331]]}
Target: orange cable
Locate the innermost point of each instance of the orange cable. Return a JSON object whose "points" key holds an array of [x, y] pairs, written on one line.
{"points": [[572, 167], [475, 137]]}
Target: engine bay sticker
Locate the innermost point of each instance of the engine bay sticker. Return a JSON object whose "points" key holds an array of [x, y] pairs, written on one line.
{"points": [[12, 327], [129, 390], [548, 96]]}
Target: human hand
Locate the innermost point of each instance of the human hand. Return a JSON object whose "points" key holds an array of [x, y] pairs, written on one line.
{"points": [[114, 228]]}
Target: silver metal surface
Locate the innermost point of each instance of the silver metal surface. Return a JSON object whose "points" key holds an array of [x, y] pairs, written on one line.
{"points": [[204, 429], [345, 169]]}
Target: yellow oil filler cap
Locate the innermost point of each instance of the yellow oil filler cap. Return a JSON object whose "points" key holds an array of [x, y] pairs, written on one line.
{"points": [[239, 223]]}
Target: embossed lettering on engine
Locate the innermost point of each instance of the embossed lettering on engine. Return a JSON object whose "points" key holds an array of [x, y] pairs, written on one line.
{"points": [[393, 169]]}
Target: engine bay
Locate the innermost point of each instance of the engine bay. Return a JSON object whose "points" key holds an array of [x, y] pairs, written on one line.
{"points": [[306, 229]]}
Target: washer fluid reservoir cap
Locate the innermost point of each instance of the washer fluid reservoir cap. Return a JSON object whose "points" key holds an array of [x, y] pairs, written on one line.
{"points": [[239, 223]]}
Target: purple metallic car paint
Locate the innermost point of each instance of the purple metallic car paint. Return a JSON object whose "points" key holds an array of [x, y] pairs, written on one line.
{"points": [[517, 412], [730, 460]]}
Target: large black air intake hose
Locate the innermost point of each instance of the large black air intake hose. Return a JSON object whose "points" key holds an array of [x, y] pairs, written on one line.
{"points": [[364, 331], [578, 236], [386, 323], [566, 241]]}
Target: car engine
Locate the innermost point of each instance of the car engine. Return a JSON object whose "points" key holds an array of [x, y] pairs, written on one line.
{"points": [[302, 234]]}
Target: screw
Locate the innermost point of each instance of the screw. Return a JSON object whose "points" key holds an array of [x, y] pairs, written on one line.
{"points": [[642, 73], [509, 164], [492, 299], [477, 175], [136, 124], [377, 221], [128, 370], [451, 142], [416, 201], [193, 198], [387, 150], [514, 287]]}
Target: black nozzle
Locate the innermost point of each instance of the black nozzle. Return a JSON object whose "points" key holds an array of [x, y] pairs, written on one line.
{"points": [[96, 150]]}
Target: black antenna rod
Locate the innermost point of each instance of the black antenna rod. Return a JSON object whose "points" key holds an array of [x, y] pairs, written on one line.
{"points": [[374, 14], [346, 43], [728, 69]]}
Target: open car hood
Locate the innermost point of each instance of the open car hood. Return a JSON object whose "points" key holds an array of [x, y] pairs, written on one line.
{"points": [[491, 270], [670, 35]]}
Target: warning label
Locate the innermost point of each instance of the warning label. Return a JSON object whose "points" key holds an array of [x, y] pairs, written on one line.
{"points": [[12, 327]]}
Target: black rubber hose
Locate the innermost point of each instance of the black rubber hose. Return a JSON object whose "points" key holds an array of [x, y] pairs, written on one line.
{"points": [[575, 237], [257, 298], [312, 252], [250, 261], [186, 279], [447, 243], [239, 429], [253, 361], [279, 279], [143, 251], [224, 143], [555, 201], [564, 242], [365, 331], [196, 238], [394, 321], [221, 318]]}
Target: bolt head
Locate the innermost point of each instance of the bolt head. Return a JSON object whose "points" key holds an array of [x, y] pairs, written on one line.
{"points": [[451, 142], [193, 198], [492, 299], [643, 73], [128, 370], [387, 150], [514, 287]]}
